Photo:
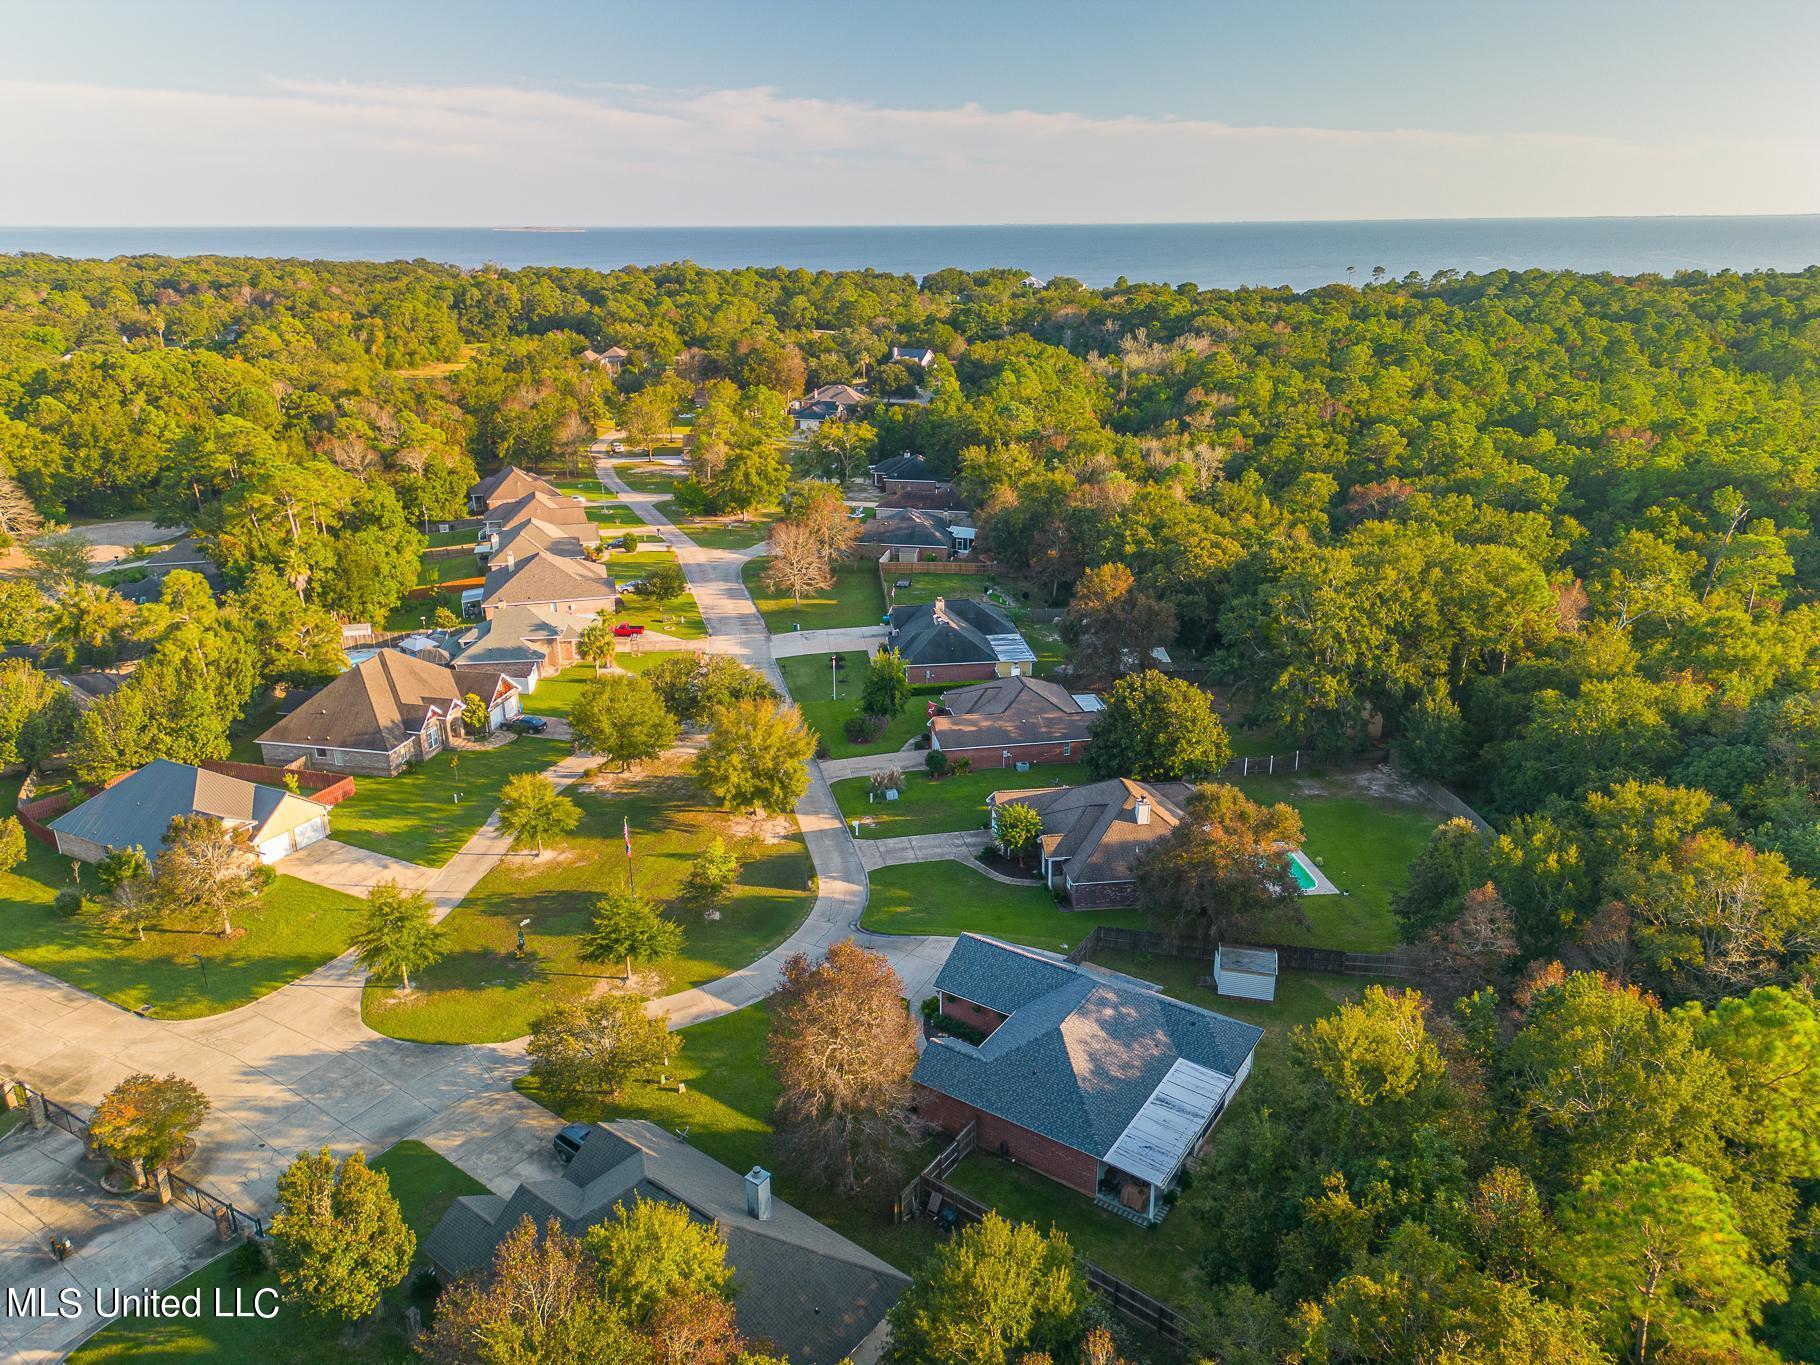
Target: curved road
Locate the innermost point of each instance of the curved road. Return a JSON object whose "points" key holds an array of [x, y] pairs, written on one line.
{"points": [[299, 1068]]}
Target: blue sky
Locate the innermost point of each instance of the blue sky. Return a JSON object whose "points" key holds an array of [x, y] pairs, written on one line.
{"points": [[780, 111]]}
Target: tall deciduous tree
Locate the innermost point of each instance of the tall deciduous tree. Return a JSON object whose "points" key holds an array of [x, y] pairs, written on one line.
{"points": [[623, 719], [997, 1293], [797, 563], [396, 936], [148, 1119], [887, 689], [629, 926], [208, 871], [1156, 728], [531, 810], [1110, 620], [1223, 871], [589, 1049], [339, 1239], [843, 1046], [756, 756]]}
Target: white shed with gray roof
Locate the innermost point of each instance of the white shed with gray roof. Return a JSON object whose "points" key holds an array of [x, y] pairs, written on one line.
{"points": [[1245, 973]]}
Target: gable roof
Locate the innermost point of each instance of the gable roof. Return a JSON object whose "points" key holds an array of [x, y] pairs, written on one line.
{"points": [[1005, 711], [843, 395], [531, 534], [1081, 1054], [916, 355], [939, 497], [544, 577], [913, 468], [799, 1285], [508, 485], [375, 706], [1095, 827], [551, 508], [910, 526], [956, 630], [512, 635], [139, 808]]}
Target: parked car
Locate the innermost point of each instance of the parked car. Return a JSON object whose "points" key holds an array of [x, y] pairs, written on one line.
{"points": [[530, 725], [625, 630], [568, 1142], [619, 447]]}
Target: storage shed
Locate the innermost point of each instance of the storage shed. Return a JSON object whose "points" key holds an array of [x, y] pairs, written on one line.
{"points": [[1245, 973]]}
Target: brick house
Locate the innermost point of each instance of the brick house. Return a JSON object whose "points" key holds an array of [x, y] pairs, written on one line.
{"points": [[957, 639], [553, 583], [1013, 720], [1093, 834], [1097, 1080], [527, 644], [911, 534], [387, 711], [902, 473]]}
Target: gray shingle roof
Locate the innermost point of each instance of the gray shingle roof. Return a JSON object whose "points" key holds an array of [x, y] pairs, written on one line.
{"points": [[1009, 711], [1081, 1051], [139, 808], [907, 526], [797, 1284], [910, 467], [952, 630], [512, 635], [1095, 826]]}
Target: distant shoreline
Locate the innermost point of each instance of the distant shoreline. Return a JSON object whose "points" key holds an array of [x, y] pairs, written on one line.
{"points": [[1295, 255]]}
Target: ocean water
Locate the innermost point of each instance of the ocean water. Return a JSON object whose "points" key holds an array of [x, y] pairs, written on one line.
{"points": [[1213, 255]]}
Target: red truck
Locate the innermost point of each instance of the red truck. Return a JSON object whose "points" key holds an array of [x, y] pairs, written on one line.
{"points": [[625, 630]]}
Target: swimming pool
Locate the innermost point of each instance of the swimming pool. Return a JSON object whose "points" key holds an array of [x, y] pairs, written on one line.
{"points": [[1303, 871]]}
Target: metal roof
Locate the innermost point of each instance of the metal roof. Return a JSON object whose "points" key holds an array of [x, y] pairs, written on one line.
{"points": [[1161, 1135]]}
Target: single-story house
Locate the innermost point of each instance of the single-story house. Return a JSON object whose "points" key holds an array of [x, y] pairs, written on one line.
{"points": [[525, 643], [909, 536], [939, 498], [800, 1288], [1098, 1080], [497, 688], [829, 403], [554, 583], [1008, 721], [383, 713], [906, 471], [138, 808], [508, 485], [612, 360], [1093, 834], [957, 639], [921, 356], [183, 553]]}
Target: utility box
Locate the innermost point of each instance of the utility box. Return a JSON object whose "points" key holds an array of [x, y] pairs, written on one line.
{"points": [[758, 1193]]}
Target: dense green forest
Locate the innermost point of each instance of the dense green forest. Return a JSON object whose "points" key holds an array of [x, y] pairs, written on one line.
{"points": [[1549, 537]]}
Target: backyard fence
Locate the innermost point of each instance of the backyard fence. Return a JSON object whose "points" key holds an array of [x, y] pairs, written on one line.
{"points": [[1409, 963], [931, 1190], [327, 789], [1455, 807], [35, 816]]}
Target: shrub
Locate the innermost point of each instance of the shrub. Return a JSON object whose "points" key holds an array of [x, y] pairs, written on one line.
{"points": [[936, 763], [248, 1261], [862, 728], [68, 901]]}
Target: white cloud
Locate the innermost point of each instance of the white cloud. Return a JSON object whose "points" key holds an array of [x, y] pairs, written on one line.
{"points": [[324, 153]]}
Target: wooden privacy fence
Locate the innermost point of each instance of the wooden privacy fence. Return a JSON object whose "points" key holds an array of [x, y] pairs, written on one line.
{"points": [[327, 789], [931, 1190], [35, 816], [1410, 963]]}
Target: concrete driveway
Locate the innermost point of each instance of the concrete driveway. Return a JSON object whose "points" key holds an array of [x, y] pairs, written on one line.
{"points": [[355, 871], [791, 643]]}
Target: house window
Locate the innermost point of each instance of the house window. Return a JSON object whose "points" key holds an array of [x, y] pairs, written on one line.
{"points": [[1067, 747], [928, 675], [322, 753]]}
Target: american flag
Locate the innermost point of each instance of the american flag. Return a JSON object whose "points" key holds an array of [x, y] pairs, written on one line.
{"points": [[626, 825]]}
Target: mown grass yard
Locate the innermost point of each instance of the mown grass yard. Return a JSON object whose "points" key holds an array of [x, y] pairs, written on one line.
{"points": [[649, 478], [481, 992], [948, 897], [721, 533], [952, 805], [416, 815], [812, 688], [853, 599], [290, 930], [614, 514], [424, 1184], [557, 696], [726, 1109], [434, 572]]}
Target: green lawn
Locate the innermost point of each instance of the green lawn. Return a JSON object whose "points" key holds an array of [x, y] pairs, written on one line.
{"points": [[614, 514], [854, 599], [721, 533], [951, 898], [645, 478], [243, 736], [442, 538], [482, 993], [557, 696], [424, 1184], [448, 569], [926, 587], [416, 816], [680, 616], [950, 806], [414, 613], [725, 1110], [1365, 846], [808, 678], [292, 929]]}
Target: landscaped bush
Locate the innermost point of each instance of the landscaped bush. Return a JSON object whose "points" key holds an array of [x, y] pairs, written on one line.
{"points": [[68, 902], [862, 728], [936, 763]]}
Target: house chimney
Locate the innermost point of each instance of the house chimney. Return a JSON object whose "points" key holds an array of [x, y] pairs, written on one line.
{"points": [[941, 605], [758, 1194], [509, 559], [1140, 810]]}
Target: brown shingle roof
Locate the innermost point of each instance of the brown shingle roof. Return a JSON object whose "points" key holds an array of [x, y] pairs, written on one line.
{"points": [[1009, 711], [546, 578], [550, 508], [375, 706], [508, 485]]}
